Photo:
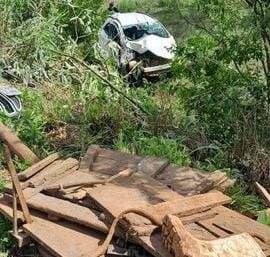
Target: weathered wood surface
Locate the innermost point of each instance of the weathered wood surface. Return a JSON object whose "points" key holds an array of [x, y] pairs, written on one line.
{"points": [[61, 238], [181, 243], [16, 145], [41, 175], [75, 179], [187, 181], [190, 205], [235, 222], [89, 158], [50, 174], [65, 210], [17, 186], [31, 171]]}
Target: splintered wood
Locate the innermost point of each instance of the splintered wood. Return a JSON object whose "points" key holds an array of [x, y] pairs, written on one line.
{"points": [[181, 243], [73, 206]]}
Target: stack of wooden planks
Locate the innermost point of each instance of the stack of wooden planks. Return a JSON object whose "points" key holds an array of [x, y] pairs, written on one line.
{"points": [[73, 204]]}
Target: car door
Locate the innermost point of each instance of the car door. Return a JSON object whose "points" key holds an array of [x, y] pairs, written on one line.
{"points": [[110, 39]]}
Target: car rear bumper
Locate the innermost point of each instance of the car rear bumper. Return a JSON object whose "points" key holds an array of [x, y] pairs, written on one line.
{"points": [[156, 70]]}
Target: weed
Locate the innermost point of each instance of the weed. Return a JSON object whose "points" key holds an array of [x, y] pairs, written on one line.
{"points": [[264, 218], [5, 239], [243, 201]]}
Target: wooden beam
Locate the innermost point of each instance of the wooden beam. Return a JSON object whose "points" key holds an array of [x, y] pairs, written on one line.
{"points": [[17, 185], [34, 169]]}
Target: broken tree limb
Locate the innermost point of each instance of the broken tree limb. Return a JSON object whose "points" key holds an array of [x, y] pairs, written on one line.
{"points": [[106, 81], [34, 169], [17, 186], [264, 193], [16, 146], [180, 242]]}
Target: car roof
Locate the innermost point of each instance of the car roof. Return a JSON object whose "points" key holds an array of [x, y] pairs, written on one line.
{"points": [[132, 18]]}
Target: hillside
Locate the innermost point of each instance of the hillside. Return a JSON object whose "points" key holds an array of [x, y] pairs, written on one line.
{"points": [[212, 114]]}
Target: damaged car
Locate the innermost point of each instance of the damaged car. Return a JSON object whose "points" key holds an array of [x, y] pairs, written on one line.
{"points": [[137, 42]]}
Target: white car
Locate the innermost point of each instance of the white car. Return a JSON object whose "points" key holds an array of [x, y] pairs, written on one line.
{"points": [[137, 40]]}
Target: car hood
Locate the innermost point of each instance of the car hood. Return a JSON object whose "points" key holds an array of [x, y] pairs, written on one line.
{"points": [[162, 47]]}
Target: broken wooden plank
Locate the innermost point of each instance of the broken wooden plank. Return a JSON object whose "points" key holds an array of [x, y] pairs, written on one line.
{"points": [[38, 167], [263, 192], [32, 191], [52, 173], [42, 174], [16, 145], [181, 243]]}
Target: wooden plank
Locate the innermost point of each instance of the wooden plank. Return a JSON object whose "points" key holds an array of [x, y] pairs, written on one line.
{"points": [[61, 238], [53, 173], [37, 167], [179, 241], [68, 211], [16, 146], [187, 181], [211, 228], [77, 178], [17, 186], [32, 191], [111, 162], [41, 175], [237, 223], [189, 205], [65, 210], [152, 166]]}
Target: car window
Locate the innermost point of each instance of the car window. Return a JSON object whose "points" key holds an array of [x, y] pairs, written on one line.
{"points": [[112, 32], [137, 31]]}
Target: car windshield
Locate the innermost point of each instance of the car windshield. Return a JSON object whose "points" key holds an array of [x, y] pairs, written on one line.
{"points": [[137, 31]]}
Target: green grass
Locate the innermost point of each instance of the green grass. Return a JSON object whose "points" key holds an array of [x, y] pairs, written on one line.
{"points": [[243, 201]]}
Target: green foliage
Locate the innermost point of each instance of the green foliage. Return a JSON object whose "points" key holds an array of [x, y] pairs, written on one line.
{"points": [[264, 218], [5, 238], [1, 184], [243, 201]]}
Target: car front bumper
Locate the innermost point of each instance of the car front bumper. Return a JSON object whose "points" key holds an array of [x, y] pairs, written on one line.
{"points": [[156, 70]]}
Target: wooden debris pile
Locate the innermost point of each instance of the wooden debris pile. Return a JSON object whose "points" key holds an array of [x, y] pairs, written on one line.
{"points": [[147, 206]]}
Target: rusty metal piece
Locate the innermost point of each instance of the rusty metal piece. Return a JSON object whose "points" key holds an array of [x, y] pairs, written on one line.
{"points": [[15, 212]]}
